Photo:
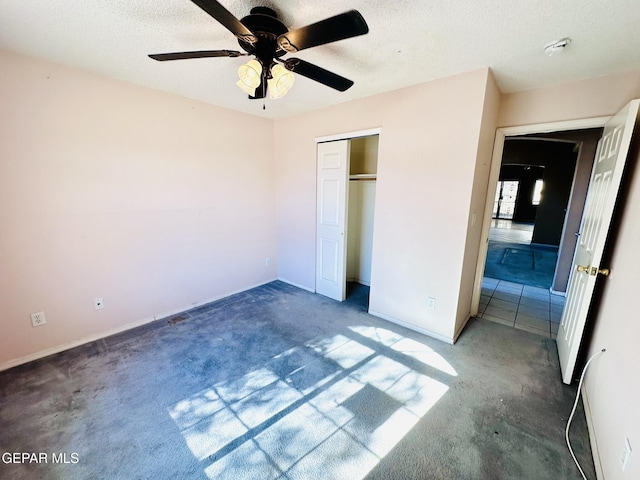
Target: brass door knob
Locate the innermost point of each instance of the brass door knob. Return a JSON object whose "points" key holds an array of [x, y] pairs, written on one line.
{"points": [[593, 271]]}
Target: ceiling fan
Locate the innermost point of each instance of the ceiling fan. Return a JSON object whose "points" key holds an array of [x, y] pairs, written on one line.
{"points": [[262, 35]]}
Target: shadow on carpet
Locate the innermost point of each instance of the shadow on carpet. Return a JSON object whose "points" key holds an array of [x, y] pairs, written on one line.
{"points": [[277, 383], [527, 264]]}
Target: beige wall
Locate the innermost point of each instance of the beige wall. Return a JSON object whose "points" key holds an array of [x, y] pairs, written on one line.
{"points": [[361, 209], [612, 389], [151, 201], [585, 99], [477, 203], [427, 157], [612, 384]]}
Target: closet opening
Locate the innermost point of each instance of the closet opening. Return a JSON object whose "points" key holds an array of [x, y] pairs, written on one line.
{"points": [[363, 167], [346, 191]]}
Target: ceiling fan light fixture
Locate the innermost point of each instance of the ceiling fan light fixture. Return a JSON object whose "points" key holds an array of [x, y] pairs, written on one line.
{"points": [[280, 83], [245, 88], [250, 74]]}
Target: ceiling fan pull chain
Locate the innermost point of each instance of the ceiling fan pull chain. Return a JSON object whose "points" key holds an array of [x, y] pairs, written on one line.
{"points": [[264, 90]]}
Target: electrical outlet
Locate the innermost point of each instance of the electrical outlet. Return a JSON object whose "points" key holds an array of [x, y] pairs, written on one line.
{"points": [[98, 303], [431, 303], [626, 453], [38, 319], [267, 261]]}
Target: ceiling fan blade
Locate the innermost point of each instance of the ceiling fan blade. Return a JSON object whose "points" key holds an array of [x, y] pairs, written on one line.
{"points": [[346, 25], [227, 19], [318, 74], [163, 57]]}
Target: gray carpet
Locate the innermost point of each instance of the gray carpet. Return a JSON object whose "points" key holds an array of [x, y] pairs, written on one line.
{"points": [[279, 383]]}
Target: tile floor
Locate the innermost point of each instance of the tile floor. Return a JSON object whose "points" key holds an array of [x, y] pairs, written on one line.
{"points": [[527, 308], [510, 231]]}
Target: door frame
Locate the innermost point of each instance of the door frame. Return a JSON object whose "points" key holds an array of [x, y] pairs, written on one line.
{"points": [[332, 138], [494, 174]]}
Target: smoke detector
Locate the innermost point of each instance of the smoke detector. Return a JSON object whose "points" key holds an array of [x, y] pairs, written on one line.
{"points": [[556, 47]]}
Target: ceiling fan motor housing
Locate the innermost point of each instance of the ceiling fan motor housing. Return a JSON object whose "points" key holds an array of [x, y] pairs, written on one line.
{"points": [[264, 23]]}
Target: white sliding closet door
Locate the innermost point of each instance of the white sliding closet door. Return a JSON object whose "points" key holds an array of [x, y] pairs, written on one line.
{"points": [[332, 194]]}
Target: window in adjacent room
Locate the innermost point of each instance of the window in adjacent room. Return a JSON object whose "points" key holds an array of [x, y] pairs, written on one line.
{"points": [[537, 192]]}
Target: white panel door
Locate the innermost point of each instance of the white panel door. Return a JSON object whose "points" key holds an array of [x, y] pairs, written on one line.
{"points": [[332, 191], [603, 190]]}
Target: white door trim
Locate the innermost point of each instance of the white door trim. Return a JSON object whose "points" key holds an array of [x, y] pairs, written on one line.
{"points": [[349, 135], [332, 138], [494, 174]]}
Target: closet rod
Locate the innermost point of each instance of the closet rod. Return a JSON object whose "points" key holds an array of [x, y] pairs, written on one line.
{"points": [[363, 176]]}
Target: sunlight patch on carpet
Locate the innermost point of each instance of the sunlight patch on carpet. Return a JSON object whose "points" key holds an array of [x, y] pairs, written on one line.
{"points": [[424, 354], [332, 408], [408, 347]]}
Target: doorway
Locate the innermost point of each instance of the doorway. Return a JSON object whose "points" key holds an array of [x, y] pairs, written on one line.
{"points": [[346, 187], [586, 266], [528, 257], [534, 186], [531, 206]]}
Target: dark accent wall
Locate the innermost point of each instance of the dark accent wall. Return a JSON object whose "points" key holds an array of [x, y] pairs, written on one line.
{"points": [[559, 162]]}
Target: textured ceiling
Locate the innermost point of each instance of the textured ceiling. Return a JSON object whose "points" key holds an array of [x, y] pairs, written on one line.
{"points": [[410, 41]]}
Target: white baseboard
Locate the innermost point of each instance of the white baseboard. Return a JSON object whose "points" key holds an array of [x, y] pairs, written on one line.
{"points": [[555, 292], [76, 343], [413, 327], [460, 328], [593, 441], [294, 284], [107, 333]]}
